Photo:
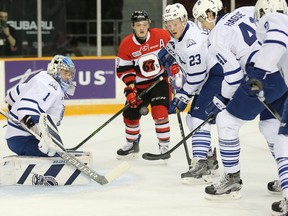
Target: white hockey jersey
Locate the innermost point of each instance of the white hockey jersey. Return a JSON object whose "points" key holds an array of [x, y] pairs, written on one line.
{"points": [[272, 33], [41, 94], [230, 42], [191, 55]]}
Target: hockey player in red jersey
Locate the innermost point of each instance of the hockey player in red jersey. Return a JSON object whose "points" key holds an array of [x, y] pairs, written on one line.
{"points": [[138, 67]]}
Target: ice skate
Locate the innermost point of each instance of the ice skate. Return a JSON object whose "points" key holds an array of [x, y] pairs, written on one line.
{"points": [[280, 208], [129, 151], [213, 164], [274, 187], [163, 148], [228, 187], [198, 174]]}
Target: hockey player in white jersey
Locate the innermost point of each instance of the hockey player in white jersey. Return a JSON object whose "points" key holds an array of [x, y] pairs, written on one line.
{"points": [[44, 93], [190, 49], [244, 105], [272, 32], [37, 162]]}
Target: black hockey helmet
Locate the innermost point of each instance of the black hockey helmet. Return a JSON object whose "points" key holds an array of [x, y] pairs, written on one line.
{"points": [[140, 16]]}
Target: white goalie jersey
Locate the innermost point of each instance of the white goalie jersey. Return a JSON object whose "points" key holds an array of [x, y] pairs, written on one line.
{"points": [[32, 99]]}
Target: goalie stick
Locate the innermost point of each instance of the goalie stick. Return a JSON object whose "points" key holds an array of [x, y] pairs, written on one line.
{"points": [[114, 116], [150, 156], [52, 132]]}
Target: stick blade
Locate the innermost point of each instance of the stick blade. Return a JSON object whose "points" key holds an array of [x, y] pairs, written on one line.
{"points": [[150, 156], [117, 171]]}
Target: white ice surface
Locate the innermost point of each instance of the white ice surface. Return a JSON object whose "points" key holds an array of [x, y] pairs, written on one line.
{"points": [[148, 188]]}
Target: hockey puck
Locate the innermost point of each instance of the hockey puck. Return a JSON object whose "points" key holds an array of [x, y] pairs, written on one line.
{"points": [[144, 110]]}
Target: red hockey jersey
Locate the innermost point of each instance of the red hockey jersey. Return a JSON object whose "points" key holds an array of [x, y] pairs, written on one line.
{"points": [[138, 63]]}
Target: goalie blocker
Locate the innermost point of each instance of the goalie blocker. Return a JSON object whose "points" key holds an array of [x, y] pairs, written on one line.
{"points": [[50, 171]]}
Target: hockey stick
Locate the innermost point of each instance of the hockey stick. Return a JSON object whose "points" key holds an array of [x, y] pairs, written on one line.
{"points": [[257, 85], [52, 132], [179, 121], [150, 156], [114, 116]]}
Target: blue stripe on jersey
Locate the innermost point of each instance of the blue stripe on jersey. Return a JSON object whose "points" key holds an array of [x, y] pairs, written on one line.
{"points": [[30, 109], [232, 72], [13, 115], [196, 74], [279, 31], [15, 126], [10, 95], [33, 101], [194, 83], [18, 90], [275, 42]]}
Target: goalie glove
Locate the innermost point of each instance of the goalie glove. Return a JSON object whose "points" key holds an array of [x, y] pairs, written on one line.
{"points": [[180, 101], [46, 148], [31, 122]]}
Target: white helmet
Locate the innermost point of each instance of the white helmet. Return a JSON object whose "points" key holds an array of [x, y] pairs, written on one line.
{"points": [[58, 63], [175, 11], [201, 8], [269, 6]]}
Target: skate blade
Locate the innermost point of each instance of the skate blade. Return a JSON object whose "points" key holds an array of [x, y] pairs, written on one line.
{"points": [[275, 193], [235, 195], [195, 181], [128, 157]]}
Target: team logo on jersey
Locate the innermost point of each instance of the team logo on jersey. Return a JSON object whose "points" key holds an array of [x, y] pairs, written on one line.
{"points": [[44, 180], [190, 42], [54, 85], [145, 48]]}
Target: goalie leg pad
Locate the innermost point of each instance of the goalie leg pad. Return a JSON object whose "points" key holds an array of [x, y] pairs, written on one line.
{"points": [[52, 171]]}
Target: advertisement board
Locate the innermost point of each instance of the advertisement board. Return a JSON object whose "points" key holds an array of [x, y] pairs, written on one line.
{"points": [[95, 78]]}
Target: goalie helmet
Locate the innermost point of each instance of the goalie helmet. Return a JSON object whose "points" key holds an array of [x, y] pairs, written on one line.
{"points": [[269, 6], [59, 63], [140, 16], [202, 7], [175, 11]]}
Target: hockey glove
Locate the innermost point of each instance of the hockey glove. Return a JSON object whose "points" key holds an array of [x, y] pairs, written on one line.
{"points": [[180, 101], [174, 69], [284, 120], [165, 58], [253, 72], [131, 96], [249, 87], [45, 148], [216, 105]]}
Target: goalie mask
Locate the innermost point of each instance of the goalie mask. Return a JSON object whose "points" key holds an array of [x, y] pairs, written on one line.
{"points": [[62, 69], [202, 7], [269, 6]]}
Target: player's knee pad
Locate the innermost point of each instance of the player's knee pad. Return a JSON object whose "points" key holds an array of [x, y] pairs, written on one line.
{"points": [[159, 112], [131, 122], [193, 122], [269, 129], [228, 125]]}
